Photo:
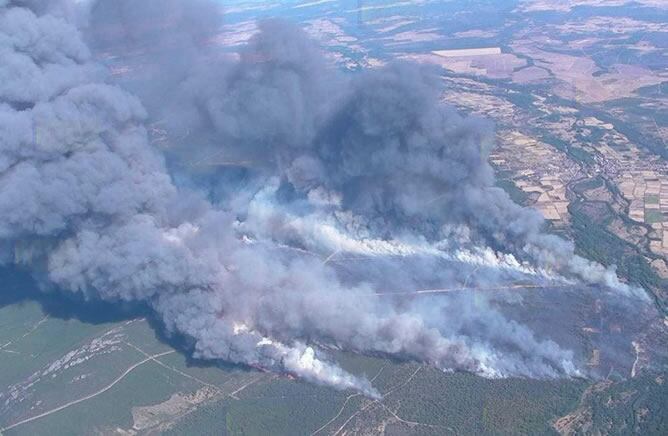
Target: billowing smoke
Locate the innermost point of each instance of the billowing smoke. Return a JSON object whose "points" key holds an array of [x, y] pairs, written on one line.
{"points": [[274, 168]]}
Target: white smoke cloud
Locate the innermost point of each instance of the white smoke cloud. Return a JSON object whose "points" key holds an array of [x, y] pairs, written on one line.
{"points": [[238, 259]]}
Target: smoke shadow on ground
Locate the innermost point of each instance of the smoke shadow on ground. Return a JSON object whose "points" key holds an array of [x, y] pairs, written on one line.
{"points": [[19, 287]]}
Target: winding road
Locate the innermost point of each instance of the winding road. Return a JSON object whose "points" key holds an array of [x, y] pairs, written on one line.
{"points": [[87, 397]]}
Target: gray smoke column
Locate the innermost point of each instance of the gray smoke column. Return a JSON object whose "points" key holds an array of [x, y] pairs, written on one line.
{"points": [[235, 259], [380, 143]]}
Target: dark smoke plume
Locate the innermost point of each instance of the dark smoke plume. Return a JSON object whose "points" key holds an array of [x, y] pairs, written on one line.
{"points": [[273, 162]]}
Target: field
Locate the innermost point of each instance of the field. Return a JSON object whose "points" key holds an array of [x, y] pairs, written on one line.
{"points": [[118, 377]]}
